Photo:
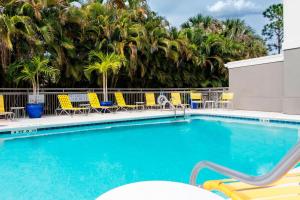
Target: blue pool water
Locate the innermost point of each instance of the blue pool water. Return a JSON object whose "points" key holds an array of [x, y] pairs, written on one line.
{"points": [[91, 160]]}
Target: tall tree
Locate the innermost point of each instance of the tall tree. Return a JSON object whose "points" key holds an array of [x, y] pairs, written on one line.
{"points": [[273, 31], [155, 54]]}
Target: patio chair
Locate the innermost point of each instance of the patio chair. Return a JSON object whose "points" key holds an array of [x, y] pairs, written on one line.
{"points": [[122, 104], [225, 100], [150, 101], [11, 115], [95, 104], [197, 98], [176, 100], [67, 107], [286, 188]]}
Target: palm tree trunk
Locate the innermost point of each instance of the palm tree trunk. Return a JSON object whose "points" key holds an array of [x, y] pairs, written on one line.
{"points": [[114, 81], [4, 58], [37, 84], [34, 90], [106, 86], [104, 77]]}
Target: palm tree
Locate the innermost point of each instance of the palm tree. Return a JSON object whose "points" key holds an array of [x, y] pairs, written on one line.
{"points": [[207, 23], [102, 64], [59, 28], [244, 38], [119, 4], [157, 54], [9, 30], [33, 71]]}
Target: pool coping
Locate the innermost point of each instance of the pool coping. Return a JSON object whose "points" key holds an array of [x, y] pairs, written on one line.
{"points": [[86, 123], [211, 114]]}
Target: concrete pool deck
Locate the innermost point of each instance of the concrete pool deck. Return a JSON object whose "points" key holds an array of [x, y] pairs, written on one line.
{"points": [[58, 121]]}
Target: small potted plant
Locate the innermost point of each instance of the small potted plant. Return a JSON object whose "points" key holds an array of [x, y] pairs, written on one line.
{"points": [[33, 71]]}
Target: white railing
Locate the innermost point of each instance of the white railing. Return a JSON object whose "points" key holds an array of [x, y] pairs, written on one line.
{"points": [[15, 97]]}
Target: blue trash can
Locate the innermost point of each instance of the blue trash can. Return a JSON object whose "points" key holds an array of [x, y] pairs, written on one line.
{"points": [[106, 103], [194, 105]]}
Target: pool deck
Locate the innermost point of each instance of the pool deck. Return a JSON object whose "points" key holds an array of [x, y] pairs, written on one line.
{"points": [[57, 121]]}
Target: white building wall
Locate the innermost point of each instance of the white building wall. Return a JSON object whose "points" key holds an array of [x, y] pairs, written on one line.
{"points": [[271, 83], [291, 70], [257, 83], [291, 24]]}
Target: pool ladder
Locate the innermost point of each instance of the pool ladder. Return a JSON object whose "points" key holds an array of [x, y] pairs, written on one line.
{"points": [[163, 101], [175, 111], [285, 165]]}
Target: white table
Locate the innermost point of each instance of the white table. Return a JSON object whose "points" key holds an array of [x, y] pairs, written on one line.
{"points": [[159, 190], [212, 103], [87, 106], [18, 111]]}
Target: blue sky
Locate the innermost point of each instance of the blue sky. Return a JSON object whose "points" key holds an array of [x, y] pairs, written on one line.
{"points": [[178, 11]]}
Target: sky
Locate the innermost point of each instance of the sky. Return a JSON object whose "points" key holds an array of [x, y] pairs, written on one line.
{"points": [[179, 11]]}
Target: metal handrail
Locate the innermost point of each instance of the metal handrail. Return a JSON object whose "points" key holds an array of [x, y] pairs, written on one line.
{"points": [[164, 101], [172, 107], [175, 110], [285, 165]]}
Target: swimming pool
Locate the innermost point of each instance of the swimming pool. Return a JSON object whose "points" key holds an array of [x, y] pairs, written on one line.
{"points": [[91, 160]]}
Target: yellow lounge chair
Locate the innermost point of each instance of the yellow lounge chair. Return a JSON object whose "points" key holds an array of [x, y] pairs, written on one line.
{"points": [[176, 100], [122, 104], [288, 188], [95, 104], [2, 109], [67, 107], [197, 98], [150, 101], [226, 99]]}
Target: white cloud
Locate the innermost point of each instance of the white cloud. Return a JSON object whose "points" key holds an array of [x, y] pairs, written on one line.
{"points": [[234, 8]]}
